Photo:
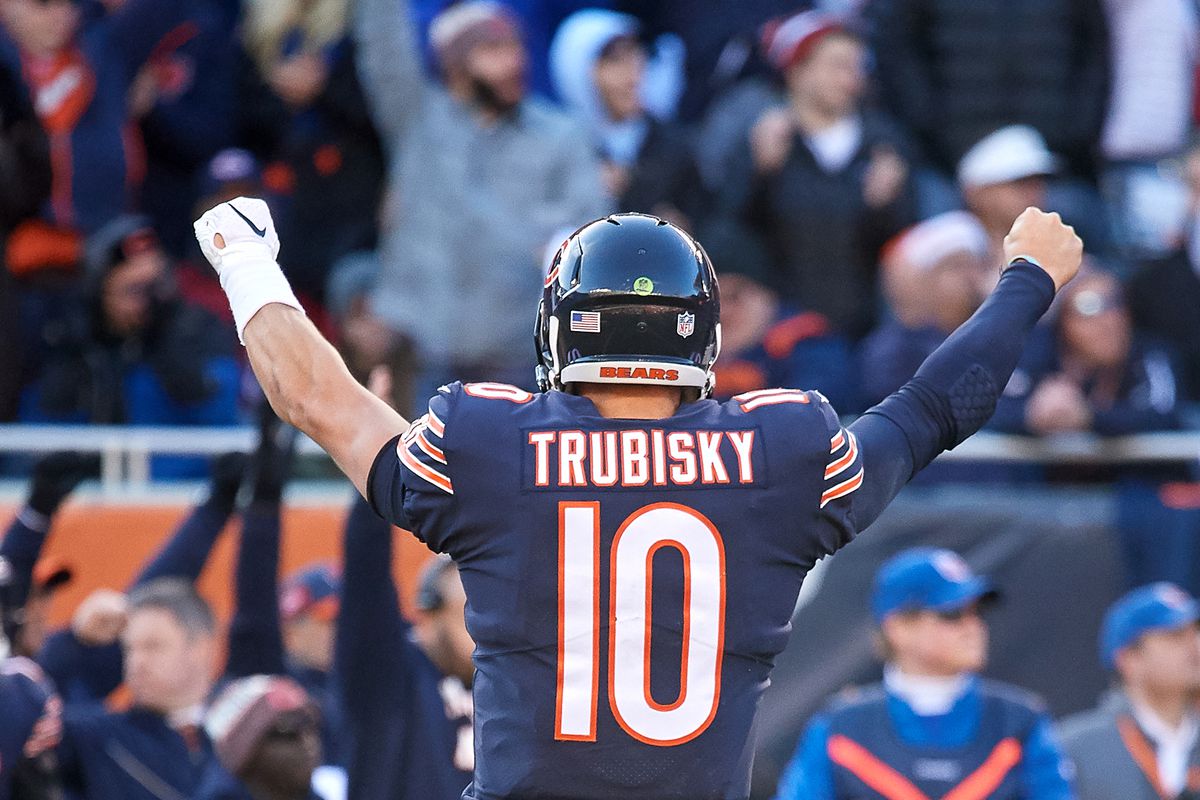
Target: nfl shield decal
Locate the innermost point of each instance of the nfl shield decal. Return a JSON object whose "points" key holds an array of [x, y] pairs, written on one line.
{"points": [[687, 324]]}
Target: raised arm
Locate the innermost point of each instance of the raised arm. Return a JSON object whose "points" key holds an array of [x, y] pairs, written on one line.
{"points": [[389, 63], [186, 553], [955, 391], [304, 378], [255, 634]]}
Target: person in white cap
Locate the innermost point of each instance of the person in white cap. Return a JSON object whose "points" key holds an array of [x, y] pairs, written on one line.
{"points": [[1003, 174], [931, 278]]}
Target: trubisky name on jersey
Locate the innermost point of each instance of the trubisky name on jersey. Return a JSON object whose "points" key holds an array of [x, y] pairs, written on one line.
{"points": [[631, 458]]}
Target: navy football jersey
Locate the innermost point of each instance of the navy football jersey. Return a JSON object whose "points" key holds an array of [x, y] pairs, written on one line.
{"points": [[629, 583]]}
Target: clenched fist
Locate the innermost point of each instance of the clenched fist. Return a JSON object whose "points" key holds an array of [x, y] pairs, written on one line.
{"points": [[1046, 240], [241, 225]]}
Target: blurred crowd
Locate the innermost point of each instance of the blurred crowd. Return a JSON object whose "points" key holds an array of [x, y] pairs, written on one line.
{"points": [[852, 167], [317, 688]]}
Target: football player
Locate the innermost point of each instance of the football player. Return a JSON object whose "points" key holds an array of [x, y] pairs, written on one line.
{"points": [[630, 550]]}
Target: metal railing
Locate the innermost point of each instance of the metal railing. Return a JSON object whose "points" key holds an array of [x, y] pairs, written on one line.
{"points": [[126, 450]]}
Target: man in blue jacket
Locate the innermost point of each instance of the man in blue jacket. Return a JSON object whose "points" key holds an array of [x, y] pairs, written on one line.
{"points": [[933, 729], [157, 749]]}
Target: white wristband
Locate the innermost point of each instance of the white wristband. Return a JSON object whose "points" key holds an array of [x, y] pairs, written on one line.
{"points": [[251, 279]]}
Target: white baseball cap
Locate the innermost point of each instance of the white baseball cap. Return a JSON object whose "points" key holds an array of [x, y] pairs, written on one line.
{"points": [[1009, 154], [926, 244]]}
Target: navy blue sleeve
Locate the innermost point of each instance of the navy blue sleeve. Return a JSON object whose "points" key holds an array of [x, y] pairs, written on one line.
{"points": [[82, 673], [255, 638], [22, 546], [187, 551], [410, 484], [372, 634], [951, 397]]}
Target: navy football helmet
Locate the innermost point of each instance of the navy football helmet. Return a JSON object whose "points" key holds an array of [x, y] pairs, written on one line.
{"points": [[629, 298]]}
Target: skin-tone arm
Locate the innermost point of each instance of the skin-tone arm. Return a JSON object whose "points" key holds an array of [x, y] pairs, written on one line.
{"points": [[309, 387], [304, 378]]}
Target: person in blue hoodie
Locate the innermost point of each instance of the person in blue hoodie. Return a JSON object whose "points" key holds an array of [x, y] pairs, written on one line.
{"points": [[933, 728]]}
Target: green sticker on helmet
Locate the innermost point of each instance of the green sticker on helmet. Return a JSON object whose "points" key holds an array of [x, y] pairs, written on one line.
{"points": [[643, 286]]}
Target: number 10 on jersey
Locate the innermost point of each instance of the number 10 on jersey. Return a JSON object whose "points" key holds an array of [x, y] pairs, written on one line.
{"points": [[631, 567]]}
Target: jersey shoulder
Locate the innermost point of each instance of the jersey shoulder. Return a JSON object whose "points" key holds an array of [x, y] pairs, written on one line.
{"points": [[463, 421], [806, 425]]}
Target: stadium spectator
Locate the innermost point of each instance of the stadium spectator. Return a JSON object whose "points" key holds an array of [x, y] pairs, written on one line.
{"points": [[932, 278], [156, 748], [933, 726], [24, 156], [1154, 47], [183, 101], [309, 608], [84, 660], [405, 687], [821, 180], [1140, 743], [78, 68], [1003, 174], [24, 187], [33, 579], [540, 19], [1164, 294], [302, 111], [615, 84], [32, 715], [954, 72], [135, 352], [1094, 373], [718, 41], [482, 176], [764, 342], [265, 731], [362, 338]]}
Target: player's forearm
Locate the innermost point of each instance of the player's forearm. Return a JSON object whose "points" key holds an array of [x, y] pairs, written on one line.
{"points": [[294, 364], [303, 377], [955, 391], [308, 385]]}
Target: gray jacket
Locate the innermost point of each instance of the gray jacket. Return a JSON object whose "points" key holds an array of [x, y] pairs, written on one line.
{"points": [[1105, 768], [470, 209]]}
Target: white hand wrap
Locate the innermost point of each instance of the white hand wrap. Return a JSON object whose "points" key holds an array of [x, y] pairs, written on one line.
{"points": [[251, 279], [246, 264]]}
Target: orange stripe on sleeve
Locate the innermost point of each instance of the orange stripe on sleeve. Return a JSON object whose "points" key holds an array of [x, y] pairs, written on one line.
{"points": [[842, 489], [427, 473], [842, 464]]}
